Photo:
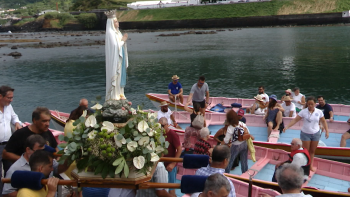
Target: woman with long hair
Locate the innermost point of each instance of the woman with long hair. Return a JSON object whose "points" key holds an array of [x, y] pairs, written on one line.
{"points": [[193, 130], [234, 130], [310, 133], [273, 116]]}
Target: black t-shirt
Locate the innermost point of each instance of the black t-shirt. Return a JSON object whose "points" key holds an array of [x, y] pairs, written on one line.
{"points": [[17, 140], [325, 109]]}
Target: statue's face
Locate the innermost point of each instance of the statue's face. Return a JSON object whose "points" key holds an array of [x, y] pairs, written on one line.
{"points": [[116, 23]]}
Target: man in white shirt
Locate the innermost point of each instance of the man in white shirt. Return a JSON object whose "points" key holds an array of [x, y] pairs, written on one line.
{"points": [[216, 185], [264, 96], [7, 117], [289, 107], [168, 114]]}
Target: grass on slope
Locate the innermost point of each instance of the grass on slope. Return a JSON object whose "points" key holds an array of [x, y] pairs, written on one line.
{"points": [[274, 7]]}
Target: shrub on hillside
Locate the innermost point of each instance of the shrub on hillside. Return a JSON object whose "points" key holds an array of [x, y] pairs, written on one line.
{"points": [[88, 20], [64, 17], [50, 15]]}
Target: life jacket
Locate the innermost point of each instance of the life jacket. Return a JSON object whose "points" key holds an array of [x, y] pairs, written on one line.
{"points": [[306, 168]]}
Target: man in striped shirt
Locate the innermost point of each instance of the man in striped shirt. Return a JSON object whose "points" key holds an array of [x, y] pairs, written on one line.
{"points": [[220, 159]]}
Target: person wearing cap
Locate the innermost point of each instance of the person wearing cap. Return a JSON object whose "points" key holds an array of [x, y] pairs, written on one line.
{"points": [[168, 114], [241, 116], [298, 99], [288, 93], [199, 94], [258, 108], [175, 90], [273, 115], [325, 108], [289, 107]]}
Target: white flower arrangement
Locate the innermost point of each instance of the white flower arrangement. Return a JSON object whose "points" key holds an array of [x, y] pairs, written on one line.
{"points": [[98, 145]]}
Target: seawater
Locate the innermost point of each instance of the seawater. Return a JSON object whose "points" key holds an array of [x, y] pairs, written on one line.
{"points": [[235, 63]]}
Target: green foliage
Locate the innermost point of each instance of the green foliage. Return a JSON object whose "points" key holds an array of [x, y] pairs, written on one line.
{"points": [[24, 21], [88, 20], [64, 17], [51, 15]]}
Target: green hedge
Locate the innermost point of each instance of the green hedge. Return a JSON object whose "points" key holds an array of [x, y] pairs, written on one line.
{"points": [[88, 20]]}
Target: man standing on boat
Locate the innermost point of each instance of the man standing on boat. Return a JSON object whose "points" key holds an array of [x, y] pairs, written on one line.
{"points": [[7, 117], [298, 156], [325, 108], [200, 94], [175, 90]]}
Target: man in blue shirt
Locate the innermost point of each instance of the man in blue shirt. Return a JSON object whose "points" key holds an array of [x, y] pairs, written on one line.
{"points": [[175, 90], [325, 108]]}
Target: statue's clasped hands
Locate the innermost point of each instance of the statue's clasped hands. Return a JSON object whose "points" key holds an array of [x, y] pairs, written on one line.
{"points": [[125, 37]]}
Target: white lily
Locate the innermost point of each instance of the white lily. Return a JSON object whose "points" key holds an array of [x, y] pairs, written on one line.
{"points": [[90, 121], [151, 146], [159, 149], [92, 135], [142, 126], [97, 106], [151, 132], [133, 111], [84, 113], [139, 162], [108, 126], [132, 146], [143, 141], [119, 143], [154, 115], [154, 157], [66, 150], [157, 126]]}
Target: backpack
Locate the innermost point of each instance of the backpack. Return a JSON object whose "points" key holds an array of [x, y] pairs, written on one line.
{"points": [[198, 122], [239, 136]]}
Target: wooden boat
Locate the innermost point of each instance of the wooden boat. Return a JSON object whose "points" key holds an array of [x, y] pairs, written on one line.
{"points": [[55, 133], [330, 178], [341, 111], [59, 119], [258, 128]]}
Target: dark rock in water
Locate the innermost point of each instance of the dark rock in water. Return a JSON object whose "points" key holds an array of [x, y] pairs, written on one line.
{"points": [[14, 47], [220, 30], [230, 29], [14, 54]]}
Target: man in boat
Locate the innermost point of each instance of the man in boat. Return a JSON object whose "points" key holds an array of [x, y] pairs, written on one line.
{"points": [[290, 180], [84, 103], [199, 94], [289, 107], [33, 143], [41, 161], [15, 146], [298, 156], [7, 117], [174, 150], [175, 90], [325, 108], [345, 136], [216, 185], [241, 117], [168, 114], [264, 96], [220, 159], [257, 108]]}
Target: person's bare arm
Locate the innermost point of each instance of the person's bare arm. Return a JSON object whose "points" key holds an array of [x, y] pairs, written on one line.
{"points": [[163, 193], [10, 156], [279, 106], [187, 109], [207, 97], [52, 186], [169, 92], [217, 134], [331, 116], [18, 126], [170, 167], [189, 99], [325, 126], [173, 119], [180, 92], [291, 113], [302, 102], [295, 120]]}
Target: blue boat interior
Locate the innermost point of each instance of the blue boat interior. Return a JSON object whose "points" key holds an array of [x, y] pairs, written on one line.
{"points": [[260, 134], [317, 181]]}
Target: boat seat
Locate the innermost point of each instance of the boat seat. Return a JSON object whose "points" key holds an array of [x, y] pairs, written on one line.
{"points": [[260, 164], [274, 136]]}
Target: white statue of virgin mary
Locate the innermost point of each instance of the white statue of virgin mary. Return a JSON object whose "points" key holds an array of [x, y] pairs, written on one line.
{"points": [[116, 58]]}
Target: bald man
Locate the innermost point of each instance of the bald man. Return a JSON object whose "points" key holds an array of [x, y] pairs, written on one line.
{"points": [[298, 156]]}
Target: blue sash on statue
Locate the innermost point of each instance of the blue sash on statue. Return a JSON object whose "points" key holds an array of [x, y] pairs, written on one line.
{"points": [[123, 74]]}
